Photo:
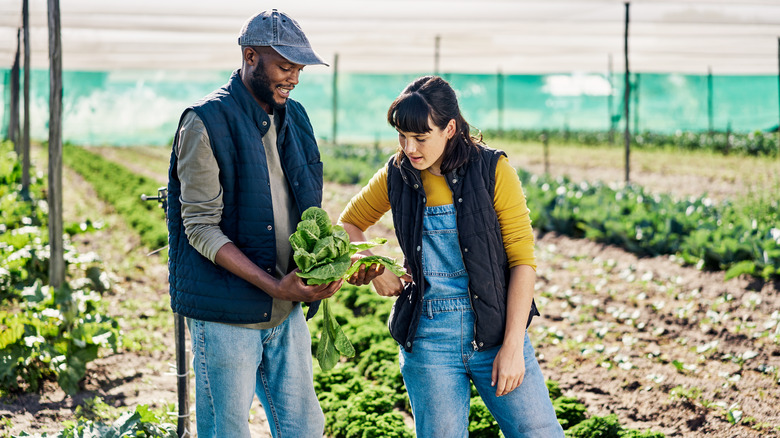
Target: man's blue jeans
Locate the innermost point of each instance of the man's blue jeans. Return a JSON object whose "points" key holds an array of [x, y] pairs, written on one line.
{"points": [[232, 364], [437, 375]]}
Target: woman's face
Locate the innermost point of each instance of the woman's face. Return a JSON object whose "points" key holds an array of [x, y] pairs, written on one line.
{"points": [[426, 150]]}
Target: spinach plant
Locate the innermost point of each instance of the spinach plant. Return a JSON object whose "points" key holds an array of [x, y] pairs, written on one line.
{"points": [[323, 253]]}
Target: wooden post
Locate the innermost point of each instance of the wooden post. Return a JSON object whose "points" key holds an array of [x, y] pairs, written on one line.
{"points": [[183, 429], [610, 110], [436, 55], [13, 122], [56, 259], [626, 96], [500, 101], [335, 97], [26, 126]]}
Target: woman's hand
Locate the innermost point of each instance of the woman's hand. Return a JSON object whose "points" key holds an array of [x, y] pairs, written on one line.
{"points": [[508, 368], [390, 285]]}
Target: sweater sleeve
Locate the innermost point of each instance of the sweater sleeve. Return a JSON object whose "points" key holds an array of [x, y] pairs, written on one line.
{"points": [[368, 206], [513, 216], [201, 192]]}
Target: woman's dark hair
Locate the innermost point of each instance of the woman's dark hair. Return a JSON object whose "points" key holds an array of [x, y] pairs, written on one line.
{"points": [[432, 96]]}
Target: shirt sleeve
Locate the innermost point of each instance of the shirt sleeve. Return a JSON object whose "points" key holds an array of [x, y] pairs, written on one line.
{"points": [[368, 206], [513, 216], [201, 192]]}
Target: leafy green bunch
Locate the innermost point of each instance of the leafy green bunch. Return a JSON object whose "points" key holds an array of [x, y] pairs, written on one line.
{"points": [[323, 253]]}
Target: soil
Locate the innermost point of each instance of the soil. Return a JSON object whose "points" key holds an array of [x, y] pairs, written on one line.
{"points": [[664, 346]]}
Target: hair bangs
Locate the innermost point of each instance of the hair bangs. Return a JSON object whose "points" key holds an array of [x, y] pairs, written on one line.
{"points": [[410, 113]]}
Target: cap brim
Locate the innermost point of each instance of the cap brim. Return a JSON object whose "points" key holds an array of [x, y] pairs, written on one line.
{"points": [[300, 55]]}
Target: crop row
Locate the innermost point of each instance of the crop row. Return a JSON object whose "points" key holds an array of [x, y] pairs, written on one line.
{"points": [[122, 189], [740, 238], [51, 334], [756, 143], [47, 333]]}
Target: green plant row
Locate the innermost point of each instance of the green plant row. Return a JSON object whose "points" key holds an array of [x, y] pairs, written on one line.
{"points": [[122, 189], [47, 333], [352, 164], [738, 238], [140, 422], [756, 143], [364, 396]]}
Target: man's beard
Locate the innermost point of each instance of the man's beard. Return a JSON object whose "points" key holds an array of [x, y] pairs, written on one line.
{"points": [[261, 87]]}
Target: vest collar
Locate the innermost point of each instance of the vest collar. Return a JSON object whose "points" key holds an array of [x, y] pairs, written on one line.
{"points": [[249, 105], [411, 176]]}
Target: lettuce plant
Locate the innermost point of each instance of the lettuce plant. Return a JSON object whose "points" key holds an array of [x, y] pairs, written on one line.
{"points": [[323, 253]]}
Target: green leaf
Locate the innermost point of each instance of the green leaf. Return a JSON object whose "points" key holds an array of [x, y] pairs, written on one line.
{"points": [[13, 331], [328, 272], [304, 260], [342, 343], [327, 356], [325, 249], [739, 268], [298, 242], [320, 218], [387, 262], [356, 247], [342, 238], [68, 379], [309, 232]]}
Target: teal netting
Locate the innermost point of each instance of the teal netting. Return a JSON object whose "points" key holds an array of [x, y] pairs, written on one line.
{"points": [[143, 107]]}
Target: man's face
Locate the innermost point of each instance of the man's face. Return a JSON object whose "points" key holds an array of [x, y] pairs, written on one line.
{"points": [[273, 78]]}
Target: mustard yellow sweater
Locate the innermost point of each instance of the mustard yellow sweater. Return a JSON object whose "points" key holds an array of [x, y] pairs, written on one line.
{"points": [[368, 206]]}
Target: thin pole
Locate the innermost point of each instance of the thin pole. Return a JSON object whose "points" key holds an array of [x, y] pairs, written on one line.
{"points": [[710, 123], [56, 259], [13, 125], [335, 96], [546, 144], [436, 55], [182, 380], [500, 100], [636, 104], [26, 125], [610, 118], [626, 96], [778, 96]]}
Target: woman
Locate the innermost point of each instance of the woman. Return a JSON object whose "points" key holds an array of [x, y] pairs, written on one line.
{"points": [[463, 225]]}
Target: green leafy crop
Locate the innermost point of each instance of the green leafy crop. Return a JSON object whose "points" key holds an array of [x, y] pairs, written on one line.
{"points": [[323, 253]]}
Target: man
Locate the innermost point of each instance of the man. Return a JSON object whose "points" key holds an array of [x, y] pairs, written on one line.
{"points": [[244, 166]]}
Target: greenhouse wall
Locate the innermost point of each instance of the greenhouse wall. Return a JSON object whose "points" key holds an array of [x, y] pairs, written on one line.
{"points": [[126, 108]]}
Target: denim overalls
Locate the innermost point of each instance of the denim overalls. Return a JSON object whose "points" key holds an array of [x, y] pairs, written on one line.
{"points": [[437, 374]]}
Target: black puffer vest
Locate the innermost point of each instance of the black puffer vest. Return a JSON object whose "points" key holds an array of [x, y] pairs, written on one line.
{"points": [[481, 246]]}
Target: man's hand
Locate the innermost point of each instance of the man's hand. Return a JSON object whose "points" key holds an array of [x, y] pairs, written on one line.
{"points": [[365, 274], [293, 288]]}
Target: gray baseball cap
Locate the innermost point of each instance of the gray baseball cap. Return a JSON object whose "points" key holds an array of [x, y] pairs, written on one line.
{"points": [[280, 32]]}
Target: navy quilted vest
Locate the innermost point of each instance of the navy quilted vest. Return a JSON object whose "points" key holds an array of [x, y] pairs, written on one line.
{"points": [[236, 124]]}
